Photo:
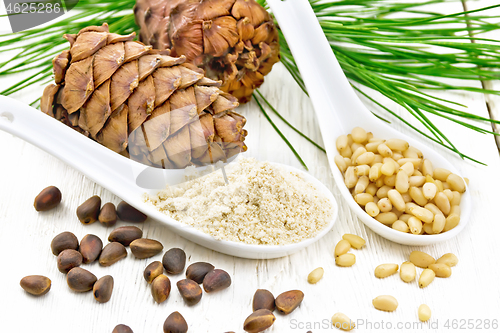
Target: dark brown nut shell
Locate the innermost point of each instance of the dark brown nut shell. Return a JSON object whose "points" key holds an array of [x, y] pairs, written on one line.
{"points": [[103, 289], [263, 299], [174, 261], [49, 198], [36, 285], [160, 288], [108, 216], [143, 248], [125, 235], [122, 329], [190, 291], [68, 259], [90, 248], [63, 241], [259, 321], [198, 270], [112, 253], [289, 301], [152, 271], [80, 280], [175, 323], [216, 280], [88, 212], [128, 213]]}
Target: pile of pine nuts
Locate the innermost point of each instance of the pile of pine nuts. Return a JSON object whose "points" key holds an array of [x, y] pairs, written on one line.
{"points": [[397, 186], [342, 258]]}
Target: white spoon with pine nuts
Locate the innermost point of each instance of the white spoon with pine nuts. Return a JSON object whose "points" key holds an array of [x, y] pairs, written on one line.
{"points": [[339, 111]]}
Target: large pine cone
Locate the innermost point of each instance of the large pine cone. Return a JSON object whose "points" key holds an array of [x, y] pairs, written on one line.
{"points": [[235, 41], [141, 102]]}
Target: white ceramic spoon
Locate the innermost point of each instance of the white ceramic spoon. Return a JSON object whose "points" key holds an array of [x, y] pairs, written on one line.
{"points": [[339, 109], [121, 176]]}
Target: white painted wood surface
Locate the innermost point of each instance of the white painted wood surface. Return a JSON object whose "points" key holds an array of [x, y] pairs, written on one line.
{"points": [[472, 293]]}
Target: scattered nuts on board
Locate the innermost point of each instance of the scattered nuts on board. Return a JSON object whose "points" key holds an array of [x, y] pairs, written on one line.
{"points": [[315, 275], [143, 248], [424, 312], [128, 213], [449, 259], [385, 303], [190, 291], [160, 288], [153, 270], [385, 270], [345, 260], [263, 299], [259, 321], [389, 178], [174, 261], [125, 235], [36, 285], [289, 301], [197, 271], [342, 247], [112, 253], [122, 329], [421, 259], [175, 323], [108, 216], [47, 199], [68, 259], [407, 272], [342, 322], [90, 248], [426, 277], [63, 241], [355, 241], [88, 212], [441, 270], [80, 280], [216, 280], [103, 289]]}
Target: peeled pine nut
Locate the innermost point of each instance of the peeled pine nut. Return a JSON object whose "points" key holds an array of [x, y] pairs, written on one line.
{"points": [[363, 198], [342, 322], [439, 185], [384, 150], [369, 135], [448, 193], [433, 208], [385, 270], [372, 209], [417, 173], [400, 226], [342, 247], [387, 218], [426, 277], [377, 159], [315, 275], [341, 142], [412, 152], [390, 180], [375, 172], [350, 178], [407, 271], [445, 186], [415, 161], [406, 197], [362, 170], [396, 157], [421, 259], [380, 182], [427, 168], [347, 161], [397, 144], [408, 168], [438, 223], [405, 217], [355, 241], [415, 225], [359, 135], [424, 312], [345, 260], [441, 174], [358, 152], [449, 259], [402, 182], [415, 181], [385, 303], [371, 189], [396, 200], [441, 270], [361, 184], [355, 146], [417, 195], [456, 183], [388, 168], [384, 205], [427, 227], [451, 222], [382, 191], [373, 146], [429, 190], [456, 198], [365, 158], [422, 214], [455, 210], [339, 161], [346, 152], [442, 202]]}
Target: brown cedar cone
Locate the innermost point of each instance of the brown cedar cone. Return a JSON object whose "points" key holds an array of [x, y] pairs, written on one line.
{"points": [[235, 41], [141, 102]]}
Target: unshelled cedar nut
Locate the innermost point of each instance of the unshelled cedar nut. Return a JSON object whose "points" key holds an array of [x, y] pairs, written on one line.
{"points": [[175, 323], [68, 259], [190, 291], [263, 299], [198, 270], [152, 271], [80, 280], [112, 253], [90, 248], [122, 329], [36, 285], [160, 288], [103, 289], [174, 261], [128, 213], [88, 212], [125, 235], [108, 216], [63, 241], [49, 198], [143, 248], [259, 321], [216, 280], [289, 301]]}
